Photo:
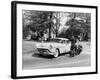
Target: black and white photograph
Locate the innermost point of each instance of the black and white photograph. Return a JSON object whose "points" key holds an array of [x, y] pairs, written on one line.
{"points": [[53, 39], [56, 39]]}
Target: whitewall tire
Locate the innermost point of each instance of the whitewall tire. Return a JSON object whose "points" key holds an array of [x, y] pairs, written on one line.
{"points": [[56, 53]]}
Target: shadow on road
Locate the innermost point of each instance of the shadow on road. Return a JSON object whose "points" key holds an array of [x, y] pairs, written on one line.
{"points": [[43, 56], [49, 56]]}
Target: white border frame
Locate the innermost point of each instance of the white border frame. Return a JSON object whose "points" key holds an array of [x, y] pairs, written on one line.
{"points": [[36, 72]]}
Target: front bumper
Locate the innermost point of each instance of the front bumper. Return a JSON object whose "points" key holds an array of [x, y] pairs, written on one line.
{"points": [[43, 51]]}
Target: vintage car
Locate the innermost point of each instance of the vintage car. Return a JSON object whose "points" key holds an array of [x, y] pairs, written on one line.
{"points": [[57, 46]]}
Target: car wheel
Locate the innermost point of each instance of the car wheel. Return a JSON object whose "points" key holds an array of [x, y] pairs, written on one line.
{"points": [[56, 53]]}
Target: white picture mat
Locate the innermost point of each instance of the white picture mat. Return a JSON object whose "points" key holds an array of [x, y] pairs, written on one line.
{"points": [[34, 72]]}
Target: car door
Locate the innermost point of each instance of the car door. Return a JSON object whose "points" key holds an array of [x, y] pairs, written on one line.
{"points": [[62, 46], [67, 46]]}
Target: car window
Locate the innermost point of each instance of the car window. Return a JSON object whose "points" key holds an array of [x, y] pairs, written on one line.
{"points": [[67, 41], [62, 41], [59, 41], [54, 40]]}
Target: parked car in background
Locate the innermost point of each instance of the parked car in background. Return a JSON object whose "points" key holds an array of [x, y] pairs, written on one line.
{"points": [[58, 46]]}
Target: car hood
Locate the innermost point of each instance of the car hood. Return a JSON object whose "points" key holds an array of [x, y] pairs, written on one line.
{"points": [[47, 45]]}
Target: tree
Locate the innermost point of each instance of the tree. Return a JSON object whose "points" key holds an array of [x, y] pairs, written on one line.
{"points": [[82, 27], [38, 21]]}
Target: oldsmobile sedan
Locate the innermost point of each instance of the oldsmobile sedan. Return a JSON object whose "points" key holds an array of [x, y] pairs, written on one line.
{"points": [[57, 46]]}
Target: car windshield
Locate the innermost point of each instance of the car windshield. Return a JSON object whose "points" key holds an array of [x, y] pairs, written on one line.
{"points": [[55, 40], [59, 40]]}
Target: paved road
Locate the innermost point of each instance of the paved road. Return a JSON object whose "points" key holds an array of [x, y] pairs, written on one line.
{"points": [[31, 61]]}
